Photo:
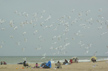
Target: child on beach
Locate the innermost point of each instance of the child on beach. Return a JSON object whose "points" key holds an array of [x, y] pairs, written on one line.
{"points": [[36, 66]]}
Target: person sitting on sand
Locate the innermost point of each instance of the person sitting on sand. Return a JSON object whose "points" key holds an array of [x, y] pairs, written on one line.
{"points": [[43, 64], [70, 61], [58, 65], [36, 66], [47, 65], [25, 64], [65, 62]]}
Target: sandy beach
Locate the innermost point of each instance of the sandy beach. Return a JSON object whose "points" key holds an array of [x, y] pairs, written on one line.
{"points": [[82, 66]]}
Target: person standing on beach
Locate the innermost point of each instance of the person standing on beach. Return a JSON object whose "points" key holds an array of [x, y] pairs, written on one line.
{"points": [[76, 60], [71, 61], [5, 63], [1, 62]]}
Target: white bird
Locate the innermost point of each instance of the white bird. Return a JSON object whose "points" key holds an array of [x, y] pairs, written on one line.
{"points": [[87, 51], [23, 49], [16, 12], [11, 36], [24, 58], [25, 39], [35, 32], [100, 27], [44, 55], [53, 37], [38, 48], [24, 33], [15, 28], [41, 17], [44, 11], [35, 15], [2, 21], [18, 43], [54, 43], [31, 22], [1, 46], [73, 10], [3, 29], [100, 9], [11, 23], [51, 48], [26, 15]]}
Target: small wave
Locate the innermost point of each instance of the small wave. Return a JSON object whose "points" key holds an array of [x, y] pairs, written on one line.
{"points": [[83, 60]]}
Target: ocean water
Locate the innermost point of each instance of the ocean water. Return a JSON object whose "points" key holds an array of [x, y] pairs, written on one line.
{"points": [[40, 59]]}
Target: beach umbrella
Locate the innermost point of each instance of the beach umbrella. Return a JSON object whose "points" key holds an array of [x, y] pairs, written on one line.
{"points": [[93, 57]]}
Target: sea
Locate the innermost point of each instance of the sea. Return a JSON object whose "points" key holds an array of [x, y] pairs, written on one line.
{"points": [[41, 59]]}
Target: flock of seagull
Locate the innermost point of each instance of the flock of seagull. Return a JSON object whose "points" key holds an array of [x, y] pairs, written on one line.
{"points": [[57, 34]]}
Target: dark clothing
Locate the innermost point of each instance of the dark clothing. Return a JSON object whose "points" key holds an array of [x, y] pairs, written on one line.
{"points": [[65, 62], [1, 63], [46, 66], [24, 63]]}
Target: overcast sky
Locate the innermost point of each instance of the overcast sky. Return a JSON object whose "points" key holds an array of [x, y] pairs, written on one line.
{"points": [[53, 27]]}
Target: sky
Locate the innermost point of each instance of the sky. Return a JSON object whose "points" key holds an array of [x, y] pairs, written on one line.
{"points": [[53, 27]]}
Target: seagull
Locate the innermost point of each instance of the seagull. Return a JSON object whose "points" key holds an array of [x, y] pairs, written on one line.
{"points": [[24, 33], [44, 11], [18, 43], [25, 39], [51, 48], [73, 10], [3, 29], [43, 56], [1, 46], [11, 23], [24, 58], [100, 9], [16, 12], [23, 49], [15, 28], [35, 32], [26, 15], [11, 36], [38, 48]]}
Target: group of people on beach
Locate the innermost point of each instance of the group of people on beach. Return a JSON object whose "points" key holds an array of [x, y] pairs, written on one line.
{"points": [[48, 64], [75, 60], [43, 65], [3, 63]]}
